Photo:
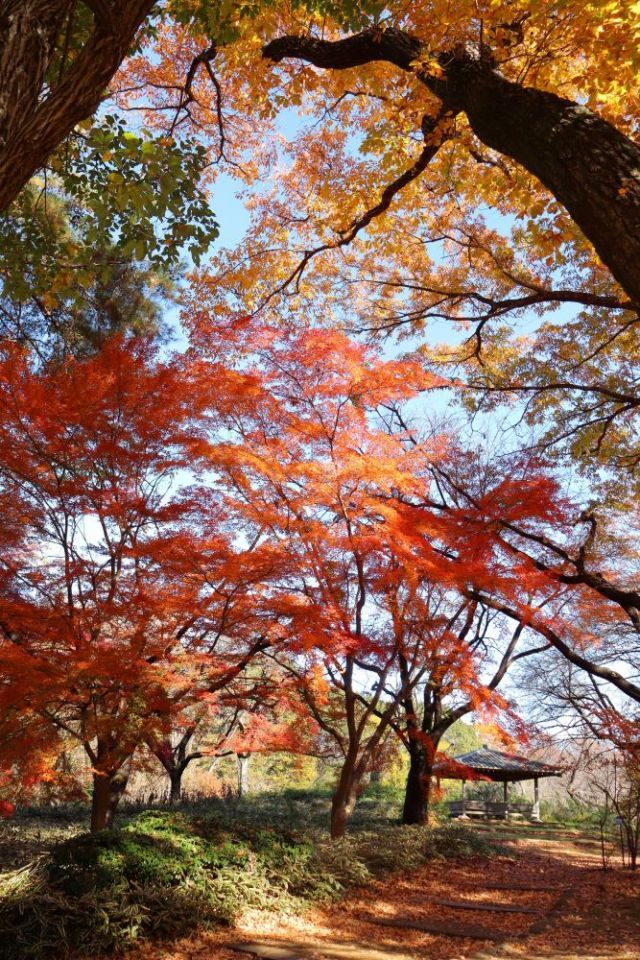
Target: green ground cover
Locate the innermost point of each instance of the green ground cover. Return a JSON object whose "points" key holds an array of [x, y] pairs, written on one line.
{"points": [[163, 873]]}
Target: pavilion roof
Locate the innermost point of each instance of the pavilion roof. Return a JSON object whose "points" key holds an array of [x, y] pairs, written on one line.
{"points": [[487, 764]]}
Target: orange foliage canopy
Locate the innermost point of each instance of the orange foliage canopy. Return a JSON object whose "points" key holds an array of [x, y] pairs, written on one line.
{"points": [[126, 599], [171, 532], [376, 569]]}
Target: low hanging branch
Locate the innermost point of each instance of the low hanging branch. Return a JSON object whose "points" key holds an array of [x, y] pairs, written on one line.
{"points": [[554, 639]]}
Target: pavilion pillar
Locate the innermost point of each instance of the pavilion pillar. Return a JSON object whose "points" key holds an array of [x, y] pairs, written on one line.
{"points": [[464, 800], [535, 812]]}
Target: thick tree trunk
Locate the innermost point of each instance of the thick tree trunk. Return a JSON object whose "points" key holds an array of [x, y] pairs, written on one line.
{"points": [[175, 794], [35, 120], [418, 788], [587, 164], [28, 32], [100, 803], [342, 806], [107, 792]]}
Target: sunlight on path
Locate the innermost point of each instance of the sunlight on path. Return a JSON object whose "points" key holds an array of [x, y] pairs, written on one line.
{"points": [[544, 899]]}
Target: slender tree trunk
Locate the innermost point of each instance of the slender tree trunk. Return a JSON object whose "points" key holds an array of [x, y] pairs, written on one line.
{"points": [[344, 799], [342, 806], [242, 760], [418, 788]]}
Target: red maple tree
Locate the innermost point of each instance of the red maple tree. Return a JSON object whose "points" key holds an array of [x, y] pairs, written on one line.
{"points": [[126, 604]]}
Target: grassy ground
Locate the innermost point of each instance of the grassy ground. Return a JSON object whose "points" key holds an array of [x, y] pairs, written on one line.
{"points": [[265, 865], [163, 873], [33, 832], [599, 920]]}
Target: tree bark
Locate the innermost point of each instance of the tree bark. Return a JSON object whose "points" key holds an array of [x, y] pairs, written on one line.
{"points": [[175, 794], [343, 804], [591, 168], [34, 120], [242, 760], [28, 33], [415, 810], [107, 792]]}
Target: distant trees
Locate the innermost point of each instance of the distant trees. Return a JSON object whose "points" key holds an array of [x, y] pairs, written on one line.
{"points": [[242, 714]]}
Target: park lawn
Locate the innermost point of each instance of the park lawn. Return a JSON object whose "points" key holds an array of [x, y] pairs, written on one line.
{"points": [[32, 832]]}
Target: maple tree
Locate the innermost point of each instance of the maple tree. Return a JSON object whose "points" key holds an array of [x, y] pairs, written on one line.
{"points": [[314, 470], [576, 569], [307, 474], [460, 642], [589, 594], [125, 606], [467, 648], [242, 717]]}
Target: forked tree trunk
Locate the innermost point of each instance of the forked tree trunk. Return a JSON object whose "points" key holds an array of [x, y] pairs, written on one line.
{"points": [[175, 760]]}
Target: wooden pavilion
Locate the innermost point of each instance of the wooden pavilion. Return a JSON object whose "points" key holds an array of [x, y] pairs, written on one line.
{"points": [[492, 765]]}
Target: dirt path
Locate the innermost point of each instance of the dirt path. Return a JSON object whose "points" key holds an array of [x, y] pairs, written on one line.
{"points": [[584, 913]]}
